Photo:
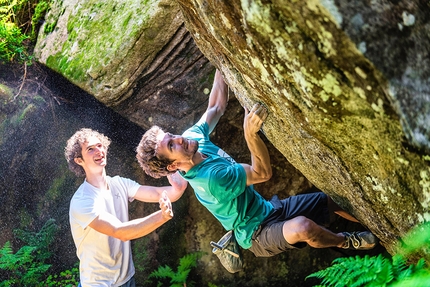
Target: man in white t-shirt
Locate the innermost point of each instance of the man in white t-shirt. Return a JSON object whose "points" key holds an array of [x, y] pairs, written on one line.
{"points": [[98, 214]]}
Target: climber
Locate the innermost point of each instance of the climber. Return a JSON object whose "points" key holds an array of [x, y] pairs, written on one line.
{"points": [[226, 189], [98, 212]]}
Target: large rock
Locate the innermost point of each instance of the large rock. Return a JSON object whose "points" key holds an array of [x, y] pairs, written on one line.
{"points": [[335, 115], [135, 57]]}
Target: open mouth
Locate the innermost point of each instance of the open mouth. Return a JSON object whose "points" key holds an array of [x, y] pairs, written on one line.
{"points": [[99, 159]]}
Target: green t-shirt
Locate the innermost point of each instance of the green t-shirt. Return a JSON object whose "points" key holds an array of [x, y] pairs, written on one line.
{"points": [[220, 185]]}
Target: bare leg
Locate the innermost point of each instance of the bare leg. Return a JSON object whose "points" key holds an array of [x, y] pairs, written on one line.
{"points": [[333, 207], [302, 229]]}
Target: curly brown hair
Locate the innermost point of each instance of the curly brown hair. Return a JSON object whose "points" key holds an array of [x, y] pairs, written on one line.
{"points": [[146, 153], [73, 148]]}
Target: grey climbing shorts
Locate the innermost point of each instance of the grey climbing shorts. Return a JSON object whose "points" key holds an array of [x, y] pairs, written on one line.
{"points": [[268, 240]]}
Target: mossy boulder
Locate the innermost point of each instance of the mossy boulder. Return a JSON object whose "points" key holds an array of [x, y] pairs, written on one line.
{"points": [[341, 114], [133, 56]]}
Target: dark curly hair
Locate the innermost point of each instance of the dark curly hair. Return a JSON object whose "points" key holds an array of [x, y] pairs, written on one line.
{"points": [[146, 153], [73, 148]]}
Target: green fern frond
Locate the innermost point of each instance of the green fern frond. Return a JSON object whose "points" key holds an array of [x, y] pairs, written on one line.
{"points": [[398, 264], [6, 250], [33, 275], [400, 269], [385, 274], [41, 240], [379, 271], [356, 272], [363, 271], [335, 274], [180, 277], [162, 272], [189, 261], [6, 256]]}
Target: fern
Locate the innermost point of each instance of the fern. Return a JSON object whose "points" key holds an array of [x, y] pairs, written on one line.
{"points": [[11, 46], [41, 240], [179, 278], [367, 271], [27, 266], [163, 272], [21, 267], [188, 261], [380, 271]]}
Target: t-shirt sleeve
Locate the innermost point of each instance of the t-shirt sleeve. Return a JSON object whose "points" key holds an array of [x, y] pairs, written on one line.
{"points": [[227, 182], [197, 131], [130, 187], [84, 211]]}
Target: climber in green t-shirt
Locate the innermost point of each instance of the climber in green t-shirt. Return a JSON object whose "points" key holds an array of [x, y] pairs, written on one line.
{"points": [[226, 189]]}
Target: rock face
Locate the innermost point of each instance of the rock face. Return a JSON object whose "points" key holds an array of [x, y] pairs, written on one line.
{"points": [[135, 57], [336, 111], [395, 36]]}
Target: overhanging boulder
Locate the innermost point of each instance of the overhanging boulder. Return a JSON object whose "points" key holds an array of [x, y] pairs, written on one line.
{"points": [[336, 113]]}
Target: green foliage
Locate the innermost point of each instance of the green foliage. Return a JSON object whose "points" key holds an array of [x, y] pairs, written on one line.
{"points": [[21, 268], [417, 240], [179, 278], [39, 13], [40, 240], [50, 27], [11, 45], [142, 260], [367, 271], [140, 254], [378, 270], [68, 278], [19, 21], [27, 266]]}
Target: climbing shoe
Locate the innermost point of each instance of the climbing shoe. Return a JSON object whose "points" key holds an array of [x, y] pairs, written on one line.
{"points": [[363, 240]]}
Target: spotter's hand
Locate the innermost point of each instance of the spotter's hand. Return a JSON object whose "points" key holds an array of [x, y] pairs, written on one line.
{"points": [[166, 206]]}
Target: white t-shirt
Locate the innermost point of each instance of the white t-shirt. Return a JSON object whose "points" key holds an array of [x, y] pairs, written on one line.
{"points": [[104, 260]]}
